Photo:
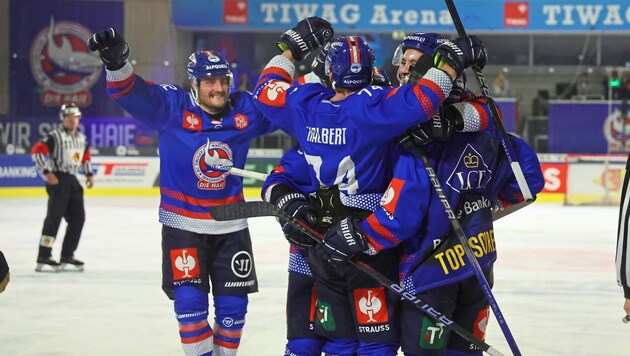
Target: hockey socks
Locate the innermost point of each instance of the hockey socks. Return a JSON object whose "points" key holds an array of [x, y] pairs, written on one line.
{"points": [[228, 323], [191, 310]]}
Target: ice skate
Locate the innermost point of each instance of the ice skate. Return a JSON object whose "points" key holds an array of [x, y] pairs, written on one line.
{"points": [[47, 264], [70, 264]]}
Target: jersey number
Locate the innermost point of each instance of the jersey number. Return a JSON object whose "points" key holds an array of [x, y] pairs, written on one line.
{"points": [[346, 178]]}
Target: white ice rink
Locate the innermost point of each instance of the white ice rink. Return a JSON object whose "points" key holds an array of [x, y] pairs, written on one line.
{"points": [[555, 284]]}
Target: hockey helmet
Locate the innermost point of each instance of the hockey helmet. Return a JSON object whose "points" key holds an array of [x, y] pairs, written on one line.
{"points": [[203, 64], [426, 43], [69, 110], [381, 78], [350, 60]]}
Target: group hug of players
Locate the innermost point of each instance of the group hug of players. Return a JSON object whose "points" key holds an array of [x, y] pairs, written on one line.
{"points": [[355, 176]]}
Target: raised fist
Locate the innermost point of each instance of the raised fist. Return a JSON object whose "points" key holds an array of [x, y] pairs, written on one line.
{"points": [[307, 36], [461, 53], [111, 46]]}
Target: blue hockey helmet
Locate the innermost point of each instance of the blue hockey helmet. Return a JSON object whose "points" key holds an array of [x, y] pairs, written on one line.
{"points": [[69, 110], [203, 64], [426, 43], [381, 78], [350, 60]]}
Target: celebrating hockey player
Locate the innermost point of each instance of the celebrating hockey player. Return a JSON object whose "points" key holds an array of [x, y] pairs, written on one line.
{"points": [[202, 134], [59, 156], [346, 133]]}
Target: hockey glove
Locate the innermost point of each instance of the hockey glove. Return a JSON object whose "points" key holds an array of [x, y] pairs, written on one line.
{"points": [[439, 128], [319, 63], [297, 206], [309, 35], [461, 53], [111, 46], [342, 241]]}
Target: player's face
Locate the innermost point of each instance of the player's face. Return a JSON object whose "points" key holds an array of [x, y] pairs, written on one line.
{"points": [[409, 59], [213, 93], [71, 122]]}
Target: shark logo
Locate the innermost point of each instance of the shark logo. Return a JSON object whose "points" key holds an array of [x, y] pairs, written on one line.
{"points": [[62, 64], [212, 163]]}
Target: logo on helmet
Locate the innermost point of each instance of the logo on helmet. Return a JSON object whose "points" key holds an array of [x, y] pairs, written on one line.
{"points": [[355, 68], [62, 64]]}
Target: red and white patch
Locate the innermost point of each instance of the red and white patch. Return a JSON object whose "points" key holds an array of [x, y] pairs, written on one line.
{"points": [[241, 121], [481, 323], [516, 14], [390, 198], [235, 12], [370, 306], [191, 121], [274, 93], [185, 264]]}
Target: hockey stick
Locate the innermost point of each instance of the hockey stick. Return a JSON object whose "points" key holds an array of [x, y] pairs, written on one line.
{"points": [[248, 174], [496, 118], [259, 208], [474, 264]]}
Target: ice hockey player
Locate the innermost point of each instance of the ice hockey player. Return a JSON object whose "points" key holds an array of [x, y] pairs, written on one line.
{"points": [[59, 156], [345, 134], [202, 134]]}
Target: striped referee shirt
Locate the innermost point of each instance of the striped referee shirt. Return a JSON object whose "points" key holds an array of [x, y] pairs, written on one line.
{"points": [[61, 151], [623, 249]]}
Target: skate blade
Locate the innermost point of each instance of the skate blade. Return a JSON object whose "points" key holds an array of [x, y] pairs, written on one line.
{"points": [[42, 267], [68, 267]]}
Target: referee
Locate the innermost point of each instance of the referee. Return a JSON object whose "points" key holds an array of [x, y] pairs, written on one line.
{"points": [[59, 156], [623, 250]]}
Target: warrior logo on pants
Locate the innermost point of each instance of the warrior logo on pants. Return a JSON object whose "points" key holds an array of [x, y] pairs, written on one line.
{"points": [[242, 264]]}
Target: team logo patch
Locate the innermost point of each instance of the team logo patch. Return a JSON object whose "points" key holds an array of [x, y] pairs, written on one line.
{"points": [[212, 163], [432, 335], [616, 131], [370, 306], [274, 93], [242, 264], [191, 121], [62, 64], [235, 12], [325, 317], [471, 171], [241, 121], [185, 264]]}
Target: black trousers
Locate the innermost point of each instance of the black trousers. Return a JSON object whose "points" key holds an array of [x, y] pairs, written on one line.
{"points": [[65, 200]]}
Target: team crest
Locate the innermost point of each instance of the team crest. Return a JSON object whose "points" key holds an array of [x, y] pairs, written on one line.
{"points": [[212, 163], [471, 171], [617, 132], [62, 64], [241, 121]]}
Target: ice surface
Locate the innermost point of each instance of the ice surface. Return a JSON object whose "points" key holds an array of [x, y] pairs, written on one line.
{"points": [[554, 282]]}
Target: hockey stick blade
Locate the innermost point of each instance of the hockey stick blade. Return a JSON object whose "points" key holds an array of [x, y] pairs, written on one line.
{"points": [[251, 209], [258, 209]]}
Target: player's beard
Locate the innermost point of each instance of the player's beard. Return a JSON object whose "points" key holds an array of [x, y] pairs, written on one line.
{"points": [[213, 102]]}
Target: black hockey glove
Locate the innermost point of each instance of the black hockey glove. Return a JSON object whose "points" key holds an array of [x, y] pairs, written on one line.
{"points": [[297, 206], [111, 46], [461, 53], [342, 241], [439, 128], [319, 63], [307, 36]]}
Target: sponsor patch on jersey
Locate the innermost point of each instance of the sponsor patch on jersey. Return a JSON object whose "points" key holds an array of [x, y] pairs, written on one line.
{"points": [[185, 263], [241, 121], [370, 306], [432, 335], [516, 14], [191, 121], [325, 317], [481, 323], [471, 171], [390, 198]]}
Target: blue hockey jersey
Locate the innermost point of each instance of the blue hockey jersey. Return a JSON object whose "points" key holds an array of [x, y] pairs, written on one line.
{"points": [[474, 174], [196, 151], [347, 142]]}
